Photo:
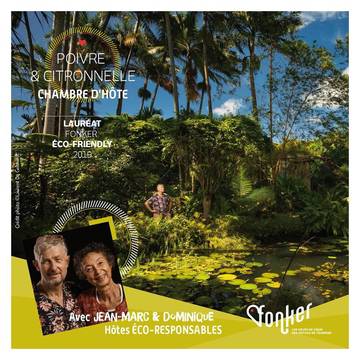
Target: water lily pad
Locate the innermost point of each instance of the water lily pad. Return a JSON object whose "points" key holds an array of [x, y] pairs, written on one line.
{"points": [[254, 264], [240, 262], [203, 300], [226, 277], [202, 276], [227, 271], [209, 269], [245, 271], [291, 273], [270, 275], [237, 282], [262, 280], [262, 292], [274, 284], [307, 268], [248, 286]]}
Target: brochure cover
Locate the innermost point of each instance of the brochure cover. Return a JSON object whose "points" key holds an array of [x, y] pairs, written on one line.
{"points": [[179, 179]]}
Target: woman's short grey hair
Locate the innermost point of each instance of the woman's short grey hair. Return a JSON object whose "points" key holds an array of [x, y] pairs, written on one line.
{"points": [[45, 242]]}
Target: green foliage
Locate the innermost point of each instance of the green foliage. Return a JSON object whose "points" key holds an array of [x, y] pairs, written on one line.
{"points": [[327, 214], [260, 202], [188, 205], [290, 193], [331, 167], [241, 184], [210, 150], [263, 195], [225, 235], [144, 93], [164, 236], [147, 113]]}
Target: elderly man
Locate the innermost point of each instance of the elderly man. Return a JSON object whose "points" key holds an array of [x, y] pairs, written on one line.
{"points": [[55, 301], [160, 203]]}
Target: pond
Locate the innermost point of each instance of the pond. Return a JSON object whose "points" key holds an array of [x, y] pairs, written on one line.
{"points": [[230, 280]]}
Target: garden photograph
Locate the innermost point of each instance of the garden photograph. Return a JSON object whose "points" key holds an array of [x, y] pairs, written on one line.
{"points": [[226, 147]]}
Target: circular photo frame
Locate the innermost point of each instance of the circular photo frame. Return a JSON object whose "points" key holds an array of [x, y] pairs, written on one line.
{"points": [[114, 210]]}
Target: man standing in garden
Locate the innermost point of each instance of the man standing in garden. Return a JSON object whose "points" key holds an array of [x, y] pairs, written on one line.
{"points": [[160, 203]]}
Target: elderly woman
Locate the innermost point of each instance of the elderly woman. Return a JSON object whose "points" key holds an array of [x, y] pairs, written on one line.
{"points": [[94, 263]]}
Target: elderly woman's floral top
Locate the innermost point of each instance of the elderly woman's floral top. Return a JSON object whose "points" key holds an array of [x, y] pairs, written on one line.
{"points": [[54, 317], [90, 305]]}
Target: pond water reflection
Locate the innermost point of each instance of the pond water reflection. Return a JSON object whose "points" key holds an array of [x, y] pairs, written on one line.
{"points": [[229, 280]]}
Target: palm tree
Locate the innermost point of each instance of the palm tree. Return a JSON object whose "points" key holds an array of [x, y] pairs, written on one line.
{"points": [[247, 26], [278, 30], [188, 46], [144, 93], [24, 59], [202, 87], [206, 63], [219, 62], [52, 105], [152, 59], [129, 40], [16, 20], [100, 21], [172, 63]]}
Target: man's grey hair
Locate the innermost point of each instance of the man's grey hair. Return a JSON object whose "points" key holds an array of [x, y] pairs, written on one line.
{"points": [[46, 241]]}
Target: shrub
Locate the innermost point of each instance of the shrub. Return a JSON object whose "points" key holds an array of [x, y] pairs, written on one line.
{"points": [[159, 236], [260, 201], [188, 204], [290, 193], [327, 214], [225, 234]]}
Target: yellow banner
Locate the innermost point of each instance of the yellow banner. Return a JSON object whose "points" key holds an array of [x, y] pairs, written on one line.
{"points": [[327, 326]]}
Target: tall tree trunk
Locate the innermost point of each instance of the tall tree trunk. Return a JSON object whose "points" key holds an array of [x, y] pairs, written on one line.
{"points": [[192, 183], [206, 205], [154, 95], [206, 69], [43, 195], [102, 26], [62, 104], [146, 80], [271, 129], [70, 67], [172, 64], [92, 108], [251, 45], [126, 66], [33, 68], [181, 185], [188, 106], [201, 101], [52, 105]]}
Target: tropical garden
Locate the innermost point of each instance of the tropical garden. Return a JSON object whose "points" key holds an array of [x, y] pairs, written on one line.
{"points": [[260, 198]]}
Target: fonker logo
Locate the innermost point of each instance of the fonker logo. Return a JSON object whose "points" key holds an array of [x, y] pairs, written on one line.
{"points": [[284, 320]]}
